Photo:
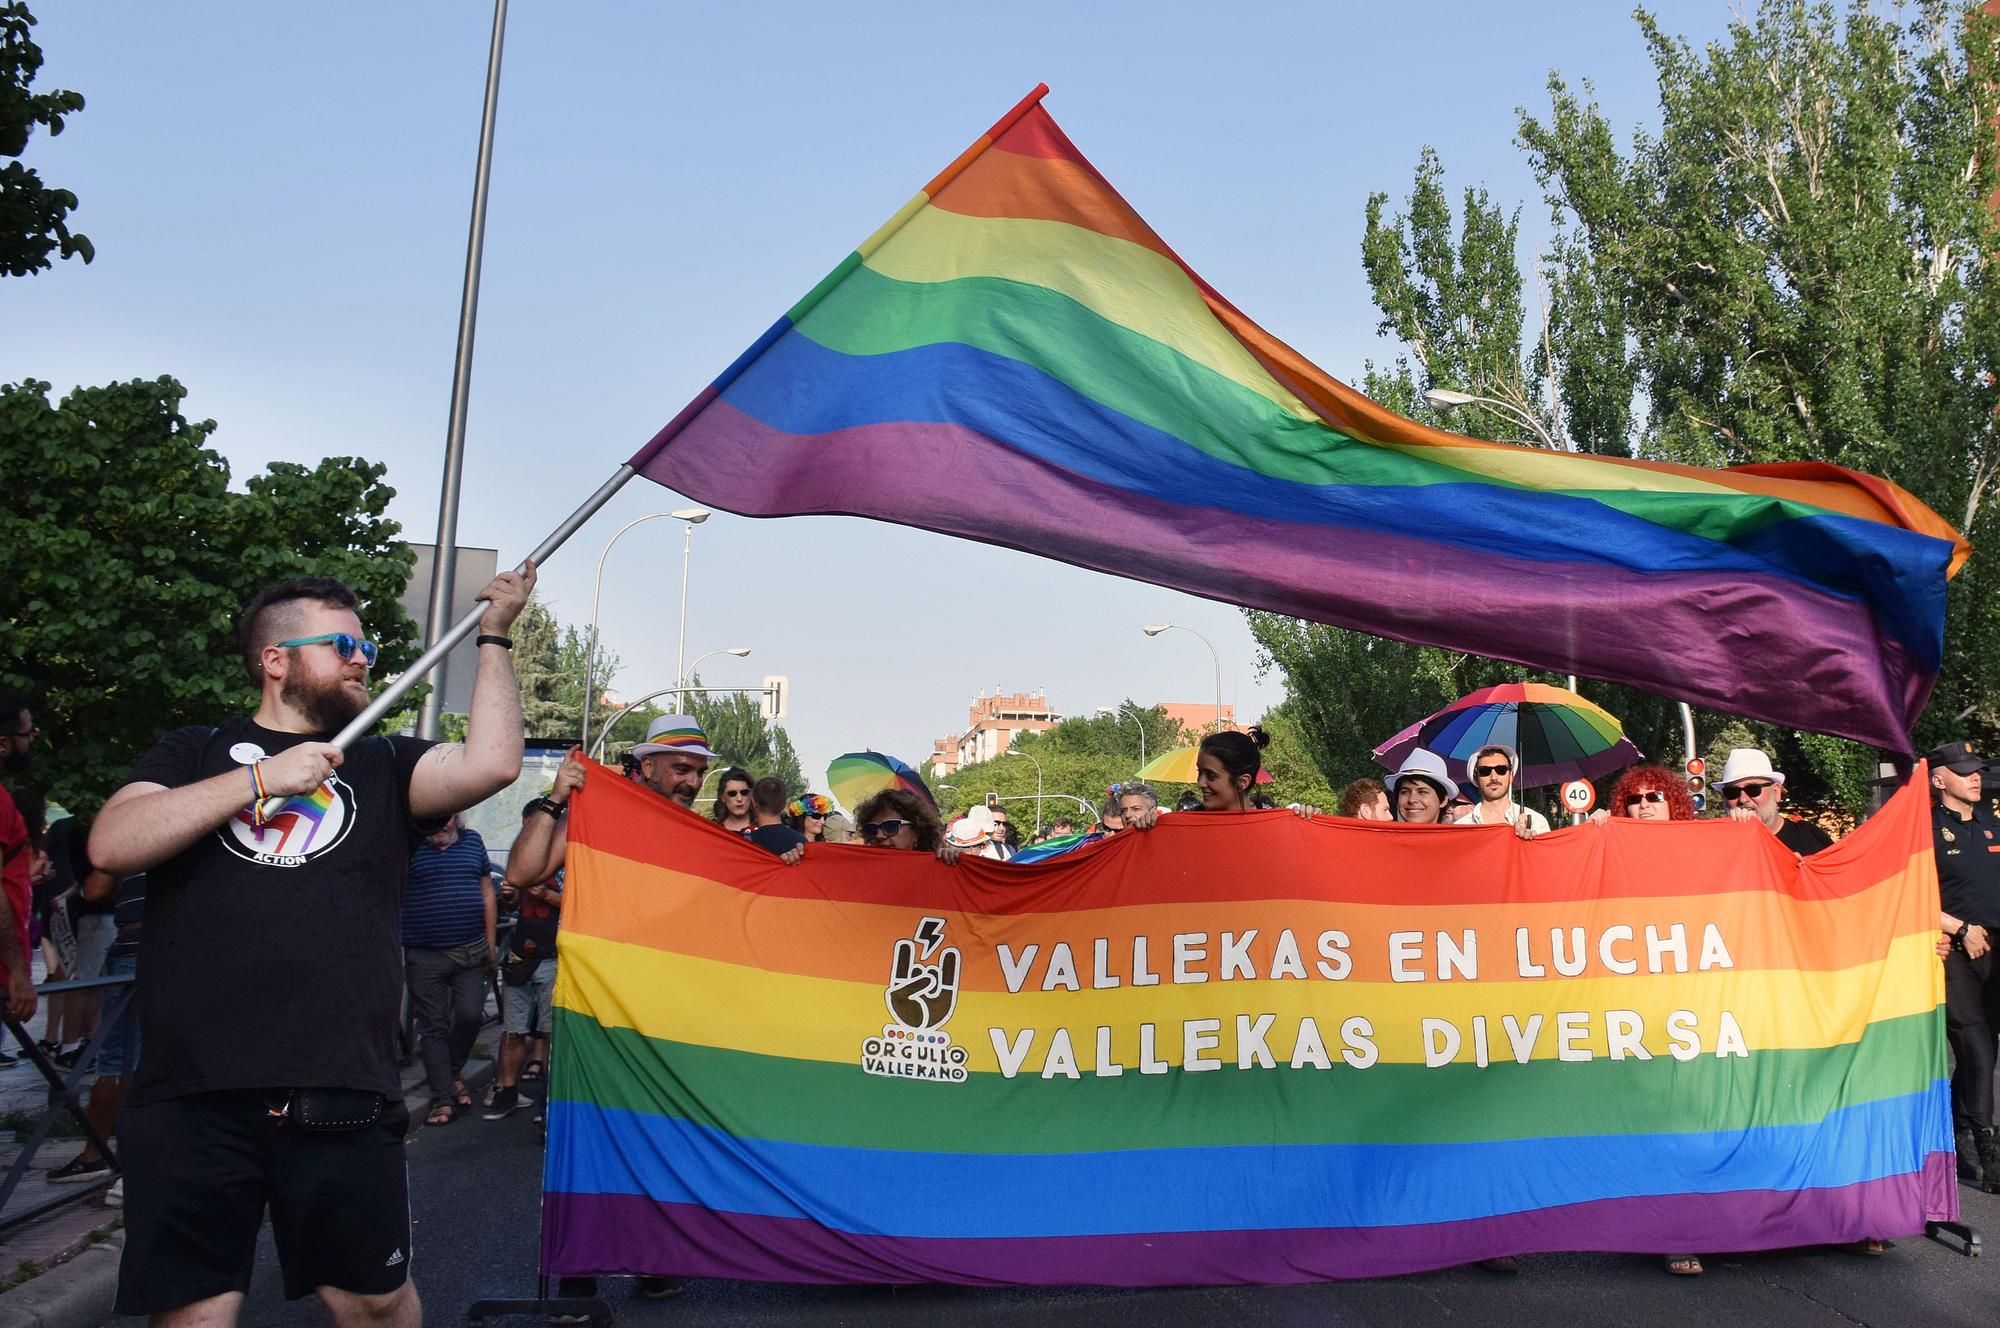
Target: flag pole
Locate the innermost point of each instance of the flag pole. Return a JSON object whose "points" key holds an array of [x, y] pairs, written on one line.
{"points": [[431, 658], [444, 559]]}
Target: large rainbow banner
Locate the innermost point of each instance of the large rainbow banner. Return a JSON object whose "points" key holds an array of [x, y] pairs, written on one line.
{"points": [[1237, 1049], [1018, 358]]}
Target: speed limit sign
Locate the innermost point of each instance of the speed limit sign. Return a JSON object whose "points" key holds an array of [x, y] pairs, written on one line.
{"points": [[1579, 796]]}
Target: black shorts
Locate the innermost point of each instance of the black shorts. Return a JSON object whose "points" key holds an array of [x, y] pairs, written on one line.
{"points": [[199, 1172]]}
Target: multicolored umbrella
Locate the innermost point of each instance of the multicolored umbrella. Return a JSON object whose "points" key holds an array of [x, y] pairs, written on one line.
{"points": [[1559, 735], [1177, 767], [859, 776]]}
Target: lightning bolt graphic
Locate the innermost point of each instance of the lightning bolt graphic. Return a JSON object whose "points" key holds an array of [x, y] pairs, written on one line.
{"points": [[931, 932]]}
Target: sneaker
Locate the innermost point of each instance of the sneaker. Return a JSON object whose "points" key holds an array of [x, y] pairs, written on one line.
{"points": [[659, 1288], [1969, 1166], [8, 1060], [506, 1101], [77, 1170]]}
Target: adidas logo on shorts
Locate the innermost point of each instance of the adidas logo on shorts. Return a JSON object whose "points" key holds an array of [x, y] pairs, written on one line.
{"points": [[394, 1259]]}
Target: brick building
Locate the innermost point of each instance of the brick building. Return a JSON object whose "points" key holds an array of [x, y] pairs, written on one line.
{"points": [[992, 724]]}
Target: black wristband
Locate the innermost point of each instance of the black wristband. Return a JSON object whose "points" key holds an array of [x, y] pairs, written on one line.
{"points": [[551, 808], [488, 639]]}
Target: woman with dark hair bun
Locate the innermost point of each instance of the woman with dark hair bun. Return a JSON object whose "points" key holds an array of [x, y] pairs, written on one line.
{"points": [[1225, 769], [1225, 774], [732, 801]]}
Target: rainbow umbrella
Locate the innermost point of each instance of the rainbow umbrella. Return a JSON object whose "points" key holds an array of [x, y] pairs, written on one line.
{"points": [[859, 776], [1559, 735], [1177, 767]]}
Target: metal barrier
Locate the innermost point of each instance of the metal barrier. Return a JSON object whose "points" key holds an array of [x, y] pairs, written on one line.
{"points": [[63, 1087]]}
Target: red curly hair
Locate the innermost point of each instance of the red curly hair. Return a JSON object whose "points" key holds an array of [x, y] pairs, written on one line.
{"points": [[1644, 778]]}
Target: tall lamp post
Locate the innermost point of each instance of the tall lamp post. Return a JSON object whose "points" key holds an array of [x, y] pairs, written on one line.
{"points": [[1038, 787], [1123, 714], [694, 516], [444, 561], [1443, 399], [694, 669], [1154, 629]]}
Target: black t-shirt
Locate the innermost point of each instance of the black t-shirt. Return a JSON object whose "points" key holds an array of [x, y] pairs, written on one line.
{"points": [[776, 839], [1803, 837], [1968, 864], [273, 956]]}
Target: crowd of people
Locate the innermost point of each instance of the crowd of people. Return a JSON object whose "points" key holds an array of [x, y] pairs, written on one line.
{"points": [[301, 893]]}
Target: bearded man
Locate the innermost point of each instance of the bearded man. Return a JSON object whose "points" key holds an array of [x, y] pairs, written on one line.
{"points": [[269, 999]]}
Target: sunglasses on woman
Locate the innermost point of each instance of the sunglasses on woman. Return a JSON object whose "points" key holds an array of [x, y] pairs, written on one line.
{"points": [[343, 646], [882, 829], [1650, 795]]}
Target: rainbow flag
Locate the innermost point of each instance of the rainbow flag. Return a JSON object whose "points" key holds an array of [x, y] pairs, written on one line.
{"points": [[1017, 358], [1237, 1048]]}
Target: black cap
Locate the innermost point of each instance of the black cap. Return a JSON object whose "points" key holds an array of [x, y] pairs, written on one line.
{"points": [[1957, 757]]}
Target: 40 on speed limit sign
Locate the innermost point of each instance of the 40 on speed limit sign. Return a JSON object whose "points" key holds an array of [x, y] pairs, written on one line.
{"points": [[1579, 796]]}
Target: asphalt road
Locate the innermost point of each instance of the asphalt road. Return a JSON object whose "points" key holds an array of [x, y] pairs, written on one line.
{"points": [[475, 1187]]}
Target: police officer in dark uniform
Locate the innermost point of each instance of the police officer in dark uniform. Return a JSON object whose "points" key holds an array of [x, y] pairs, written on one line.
{"points": [[1968, 863]]}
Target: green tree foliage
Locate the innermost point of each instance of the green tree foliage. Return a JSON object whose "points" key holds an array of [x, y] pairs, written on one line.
{"points": [[33, 217], [1790, 268], [125, 555], [739, 733], [1082, 757], [551, 663]]}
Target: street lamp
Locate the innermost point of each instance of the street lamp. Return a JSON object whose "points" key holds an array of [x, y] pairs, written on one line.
{"points": [[694, 670], [1138, 723], [1038, 787], [1443, 398], [694, 516], [1154, 629]]}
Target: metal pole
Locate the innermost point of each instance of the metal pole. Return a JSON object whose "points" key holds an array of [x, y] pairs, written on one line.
{"points": [[604, 734], [1687, 728], [596, 594], [394, 693], [680, 648], [444, 564]]}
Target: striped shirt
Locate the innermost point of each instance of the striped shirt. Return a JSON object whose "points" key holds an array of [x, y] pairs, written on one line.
{"points": [[444, 901]]}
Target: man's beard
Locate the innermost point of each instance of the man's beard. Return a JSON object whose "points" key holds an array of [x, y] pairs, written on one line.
{"points": [[17, 764], [660, 786], [326, 707]]}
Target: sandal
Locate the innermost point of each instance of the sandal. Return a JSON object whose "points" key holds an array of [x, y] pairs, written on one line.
{"points": [[1683, 1265], [443, 1112], [1870, 1247], [533, 1072], [461, 1099]]}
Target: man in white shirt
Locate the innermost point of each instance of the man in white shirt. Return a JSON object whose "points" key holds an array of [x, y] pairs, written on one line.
{"points": [[1491, 772]]}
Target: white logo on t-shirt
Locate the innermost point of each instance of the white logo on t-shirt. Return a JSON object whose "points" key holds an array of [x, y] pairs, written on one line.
{"points": [[299, 829]]}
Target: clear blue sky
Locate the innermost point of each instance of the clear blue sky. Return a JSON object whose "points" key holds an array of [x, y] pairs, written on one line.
{"points": [[279, 194]]}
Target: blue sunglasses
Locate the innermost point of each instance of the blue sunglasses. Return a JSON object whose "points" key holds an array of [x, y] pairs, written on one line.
{"points": [[343, 646]]}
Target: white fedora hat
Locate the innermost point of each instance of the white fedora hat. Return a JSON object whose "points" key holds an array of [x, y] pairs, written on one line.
{"points": [[1427, 765], [1746, 763]]}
